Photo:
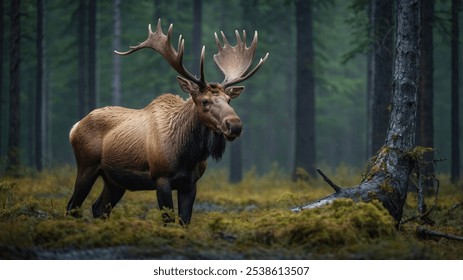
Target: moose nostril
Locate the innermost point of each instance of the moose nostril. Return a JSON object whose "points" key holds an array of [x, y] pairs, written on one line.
{"points": [[228, 124], [233, 126]]}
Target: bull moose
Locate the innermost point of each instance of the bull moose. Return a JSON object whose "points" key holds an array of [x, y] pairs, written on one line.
{"points": [[165, 145]]}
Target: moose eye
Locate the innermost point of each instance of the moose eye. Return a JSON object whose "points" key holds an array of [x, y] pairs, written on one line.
{"points": [[205, 102]]}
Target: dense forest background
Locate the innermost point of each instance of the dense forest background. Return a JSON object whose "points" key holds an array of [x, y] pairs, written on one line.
{"points": [[68, 68]]}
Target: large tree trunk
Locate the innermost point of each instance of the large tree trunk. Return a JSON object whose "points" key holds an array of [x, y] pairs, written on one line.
{"points": [[197, 22], [424, 119], [388, 177], [1, 76], [248, 8], [82, 84], [305, 90], [14, 123], [116, 59], [455, 126], [39, 90], [381, 76], [236, 160], [92, 55]]}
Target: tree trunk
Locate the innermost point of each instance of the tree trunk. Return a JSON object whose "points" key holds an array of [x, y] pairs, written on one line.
{"points": [[381, 79], [92, 55], [455, 129], [116, 45], [157, 9], [236, 148], [39, 90], [2, 92], [369, 84], [388, 176], [424, 120], [28, 131], [14, 120], [82, 84], [305, 90], [197, 19], [236, 159]]}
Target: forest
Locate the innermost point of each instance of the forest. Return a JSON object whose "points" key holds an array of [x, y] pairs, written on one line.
{"points": [[341, 46], [322, 101]]}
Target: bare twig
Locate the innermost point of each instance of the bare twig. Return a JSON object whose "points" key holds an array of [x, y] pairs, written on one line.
{"points": [[421, 216], [329, 182], [426, 233], [454, 207]]}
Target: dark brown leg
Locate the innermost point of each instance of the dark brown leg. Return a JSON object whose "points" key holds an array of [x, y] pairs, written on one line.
{"points": [[84, 181]]}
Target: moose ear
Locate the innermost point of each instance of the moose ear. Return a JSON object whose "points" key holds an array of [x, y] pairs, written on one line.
{"points": [[187, 86], [234, 91]]}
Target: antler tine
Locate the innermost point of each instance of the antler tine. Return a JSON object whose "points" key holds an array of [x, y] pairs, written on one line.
{"points": [[161, 43], [234, 62], [217, 41], [238, 39], [137, 47], [201, 64], [250, 74], [224, 38]]}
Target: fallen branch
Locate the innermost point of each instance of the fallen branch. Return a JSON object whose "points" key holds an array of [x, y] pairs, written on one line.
{"points": [[423, 232], [329, 182], [421, 216]]}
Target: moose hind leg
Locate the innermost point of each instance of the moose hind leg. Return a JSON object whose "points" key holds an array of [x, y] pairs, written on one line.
{"points": [[85, 179], [108, 198], [186, 199]]}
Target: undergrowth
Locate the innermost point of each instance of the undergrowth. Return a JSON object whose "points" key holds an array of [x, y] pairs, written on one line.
{"points": [[248, 220]]}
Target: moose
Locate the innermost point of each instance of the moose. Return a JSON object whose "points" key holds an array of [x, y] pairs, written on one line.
{"points": [[164, 146]]}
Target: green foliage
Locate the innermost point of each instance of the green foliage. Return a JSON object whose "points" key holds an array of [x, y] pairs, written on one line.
{"points": [[230, 221]]}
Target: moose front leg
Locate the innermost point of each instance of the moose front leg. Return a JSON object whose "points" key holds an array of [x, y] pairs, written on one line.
{"points": [[186, 198], [166, 205]]}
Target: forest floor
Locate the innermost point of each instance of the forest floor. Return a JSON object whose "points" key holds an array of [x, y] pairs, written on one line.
{"points": [[249, 220]]}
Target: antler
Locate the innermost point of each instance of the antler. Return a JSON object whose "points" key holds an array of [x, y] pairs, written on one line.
{"points": [[162, 44], [235, 61]]}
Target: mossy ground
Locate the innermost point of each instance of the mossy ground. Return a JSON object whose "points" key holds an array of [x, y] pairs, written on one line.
{"points": [[249, 220]]}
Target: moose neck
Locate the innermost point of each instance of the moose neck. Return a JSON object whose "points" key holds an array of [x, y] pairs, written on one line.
{"points": [[196, 142]]}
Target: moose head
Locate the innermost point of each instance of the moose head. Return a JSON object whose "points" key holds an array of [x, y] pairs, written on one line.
{"points": [[211, 99]]}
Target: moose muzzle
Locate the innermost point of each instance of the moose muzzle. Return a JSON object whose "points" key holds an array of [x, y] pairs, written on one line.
{"points": [[231, 128]]}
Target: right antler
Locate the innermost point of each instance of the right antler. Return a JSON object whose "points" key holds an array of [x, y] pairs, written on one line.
{"points": [[235, 61], [162, 44]]}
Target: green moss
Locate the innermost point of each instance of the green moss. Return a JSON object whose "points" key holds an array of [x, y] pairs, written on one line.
{"points": [[386, 187], [374, 167], [253, 221], [418, 152]]}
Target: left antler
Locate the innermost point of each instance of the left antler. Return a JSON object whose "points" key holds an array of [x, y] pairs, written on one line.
{"points": [[234, 62], [161, 43]]}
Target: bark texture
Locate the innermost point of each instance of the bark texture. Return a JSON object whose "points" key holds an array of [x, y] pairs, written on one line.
{"points": [[381, 78], [39, 89], [14, 120], [425, 96], [305, 90], [388, 177], [116, 60], [455, 123]]}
